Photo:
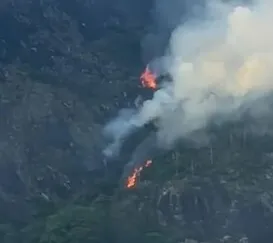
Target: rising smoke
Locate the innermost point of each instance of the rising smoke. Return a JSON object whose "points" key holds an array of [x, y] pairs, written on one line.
{"points": [[218, 67]]}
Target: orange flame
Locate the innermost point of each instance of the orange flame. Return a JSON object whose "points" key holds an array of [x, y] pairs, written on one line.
{"points": [[148, 79], [131, 181]]}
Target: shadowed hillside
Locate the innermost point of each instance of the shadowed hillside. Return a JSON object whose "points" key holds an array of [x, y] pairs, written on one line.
{"points": [[67, 67]]}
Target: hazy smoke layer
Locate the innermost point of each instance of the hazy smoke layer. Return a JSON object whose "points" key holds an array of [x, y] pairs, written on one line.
{"points": [[217, 66]]}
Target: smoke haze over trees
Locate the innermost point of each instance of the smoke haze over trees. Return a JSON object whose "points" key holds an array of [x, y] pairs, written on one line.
{"points": [[68, 67]]}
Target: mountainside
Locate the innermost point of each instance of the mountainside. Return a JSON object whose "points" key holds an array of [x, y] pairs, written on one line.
{"points": [[67, 67]]}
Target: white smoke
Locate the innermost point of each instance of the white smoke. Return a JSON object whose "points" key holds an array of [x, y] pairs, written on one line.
{"points": [[228, 55]]}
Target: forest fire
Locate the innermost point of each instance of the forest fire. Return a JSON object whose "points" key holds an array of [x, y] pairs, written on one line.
{"points": [[131, 181], [148, 79]]}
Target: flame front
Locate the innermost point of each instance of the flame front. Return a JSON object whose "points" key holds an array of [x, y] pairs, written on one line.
{"points": [[148, 79], [131, 181]]}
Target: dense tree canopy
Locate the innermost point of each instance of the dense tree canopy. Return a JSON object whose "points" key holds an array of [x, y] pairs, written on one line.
{"points": [[66, 67]]}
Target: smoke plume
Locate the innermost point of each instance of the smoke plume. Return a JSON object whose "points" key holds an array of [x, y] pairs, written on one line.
{"points": [[218, 66]]}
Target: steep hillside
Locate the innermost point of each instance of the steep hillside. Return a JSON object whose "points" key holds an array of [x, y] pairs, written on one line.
{"points": [[67, 66]]}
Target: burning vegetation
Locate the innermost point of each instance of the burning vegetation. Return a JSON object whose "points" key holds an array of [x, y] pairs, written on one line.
{"points": [[131, 181], [148, 80]]}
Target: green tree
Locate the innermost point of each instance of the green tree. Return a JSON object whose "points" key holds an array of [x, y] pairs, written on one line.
{"points": [[76, 224]]}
